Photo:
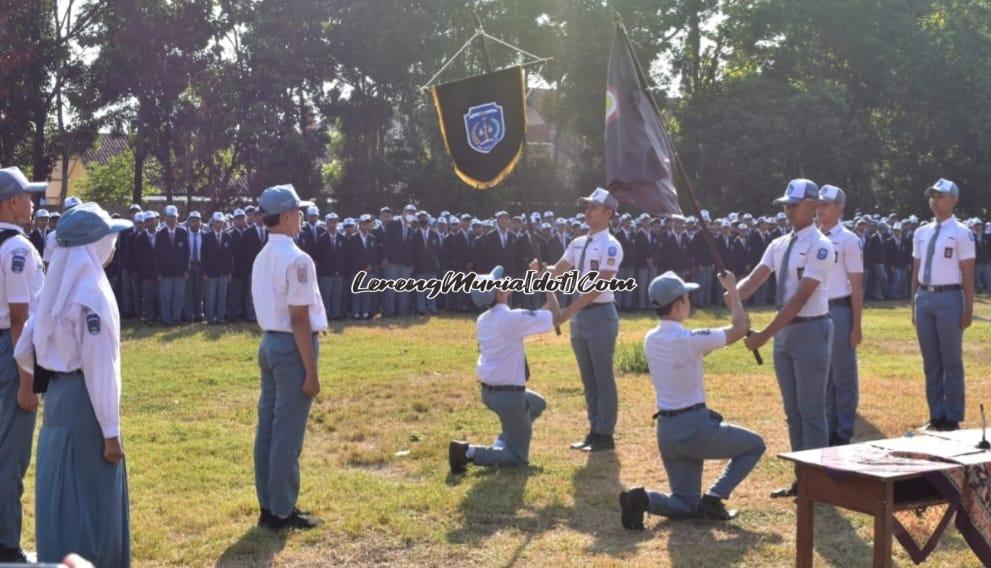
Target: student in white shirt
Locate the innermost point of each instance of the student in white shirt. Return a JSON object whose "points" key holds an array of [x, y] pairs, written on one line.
{"points": [[289, 310], [944, 256], [73, 337], [503, 373], [688, 433]]}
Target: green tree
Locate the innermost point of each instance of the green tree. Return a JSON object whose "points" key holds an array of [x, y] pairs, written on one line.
{"points": [[111, 184]]}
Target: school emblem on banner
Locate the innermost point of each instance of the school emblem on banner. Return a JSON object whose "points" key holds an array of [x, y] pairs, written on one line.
{"points": [[483, 123], [485, 126]]}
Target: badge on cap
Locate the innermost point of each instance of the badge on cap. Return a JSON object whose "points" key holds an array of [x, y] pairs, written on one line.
{"points": [[93, 323]]}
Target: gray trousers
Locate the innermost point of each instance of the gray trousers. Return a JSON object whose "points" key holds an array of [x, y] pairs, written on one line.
{"points": [[644, 277], [81, 500], [702, 275], [16, 433], [841, 386], [425, 305], [331, 290], [516, 412], [172, 294], [216, 299], [192, 307], [394, 303], [937, 325], [801, 363], [685, 442], [361, 303], [149, 299], [593, 339], [982, 277], [235, 298], [283, 410]]}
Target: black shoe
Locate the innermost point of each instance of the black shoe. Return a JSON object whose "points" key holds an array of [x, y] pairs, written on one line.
{"points": [[264, 518], [294, 521], [582, 443], [713, 509], [599, 443], [837, 440], [950, 426], [457, 456], [935, 425], [12, 556], [634, 504], [790, 491]]}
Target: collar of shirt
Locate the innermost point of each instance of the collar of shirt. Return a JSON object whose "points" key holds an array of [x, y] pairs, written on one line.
{"points": [[799, 235], [949, 221], [279, 238], [6, 226]]}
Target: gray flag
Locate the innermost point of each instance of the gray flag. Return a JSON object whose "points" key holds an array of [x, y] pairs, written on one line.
{"points": [[639, 154]]}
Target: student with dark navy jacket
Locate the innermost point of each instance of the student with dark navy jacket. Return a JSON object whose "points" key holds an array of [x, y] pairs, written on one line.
{"points": [[171, 266], [218, 263]]}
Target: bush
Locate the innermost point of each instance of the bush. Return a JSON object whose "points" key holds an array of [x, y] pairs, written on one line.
{"points": [[630, 359], [112, 184]]}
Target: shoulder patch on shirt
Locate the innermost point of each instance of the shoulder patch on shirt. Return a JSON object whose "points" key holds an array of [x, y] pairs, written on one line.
{"points": [[18, 261], [93, 323], [301, 273], [701, 332], [822, 254], [612, 251]]}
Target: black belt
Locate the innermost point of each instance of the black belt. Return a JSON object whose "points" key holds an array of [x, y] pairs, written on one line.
{"points": [[598, 305], [671, 413], [937, 289], [502, 388], [808, 319], [315, 333], [844, 301]]}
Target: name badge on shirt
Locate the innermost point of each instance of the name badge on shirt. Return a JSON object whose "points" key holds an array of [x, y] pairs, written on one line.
{"points": [[948, 252]]}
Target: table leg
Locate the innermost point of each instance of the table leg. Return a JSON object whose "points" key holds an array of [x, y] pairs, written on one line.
{"points": [[806, 521], [883, 525]]}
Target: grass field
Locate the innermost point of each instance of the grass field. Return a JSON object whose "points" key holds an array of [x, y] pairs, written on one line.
{"points": [[394, 393]]}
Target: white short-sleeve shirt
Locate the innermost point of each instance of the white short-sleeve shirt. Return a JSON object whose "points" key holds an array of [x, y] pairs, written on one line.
{"points": [[604, 253], [500, 333], [955, 243], [674, 356], [811, 257], [282, 276], [848, 258], [22, 273]]}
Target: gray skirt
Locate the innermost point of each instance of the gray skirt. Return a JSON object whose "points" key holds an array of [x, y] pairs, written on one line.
{"points": [[81, 502]]}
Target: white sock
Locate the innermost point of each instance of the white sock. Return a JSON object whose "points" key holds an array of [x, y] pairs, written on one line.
{"points": [[470, 453]]}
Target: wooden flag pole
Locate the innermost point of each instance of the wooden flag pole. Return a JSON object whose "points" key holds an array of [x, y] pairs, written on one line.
{"points": [[706, 234], [517, 176]]}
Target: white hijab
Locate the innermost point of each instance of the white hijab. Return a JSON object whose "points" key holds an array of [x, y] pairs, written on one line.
{"points": [[75, 279]]}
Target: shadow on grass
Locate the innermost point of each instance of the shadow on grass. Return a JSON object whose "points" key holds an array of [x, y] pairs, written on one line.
{"points": [[710, 543], [257, 547], [492, 503]]}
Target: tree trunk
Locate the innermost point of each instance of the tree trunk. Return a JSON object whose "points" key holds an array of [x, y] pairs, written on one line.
{"points": [[139, 161]]}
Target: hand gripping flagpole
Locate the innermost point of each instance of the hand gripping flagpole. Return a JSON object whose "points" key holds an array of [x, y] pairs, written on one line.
{"points": [[706, 234], [480, 35]]}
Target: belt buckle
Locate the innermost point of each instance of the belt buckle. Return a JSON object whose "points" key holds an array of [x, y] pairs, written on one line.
{"points": [[931, 289]]}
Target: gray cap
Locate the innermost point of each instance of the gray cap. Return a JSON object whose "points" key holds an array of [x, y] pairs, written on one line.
{"points": [[71, 202], [87, 223], [484, 299], [602, 197], [944, 186], [13, 182], [667, 288], [832, 194], [278, 199], [41, 214], [171, 211], [195, 215], [799, 190]]}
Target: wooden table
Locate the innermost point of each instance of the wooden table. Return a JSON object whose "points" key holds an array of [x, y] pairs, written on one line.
{"points": [[834, 476]]}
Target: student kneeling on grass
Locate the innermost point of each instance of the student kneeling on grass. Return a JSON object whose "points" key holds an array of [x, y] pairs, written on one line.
{"points": [[688, 433], [503, 372]]}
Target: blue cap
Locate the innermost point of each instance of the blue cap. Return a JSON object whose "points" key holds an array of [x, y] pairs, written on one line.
{"points": [[484, 299], [799, 190], [278, 199], [87, 223], [668, 287], [944, 186], [14, 182]]}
